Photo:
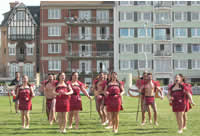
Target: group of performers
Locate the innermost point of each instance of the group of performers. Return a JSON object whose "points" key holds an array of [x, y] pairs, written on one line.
{"points": [[179, 96], [64, 96]]}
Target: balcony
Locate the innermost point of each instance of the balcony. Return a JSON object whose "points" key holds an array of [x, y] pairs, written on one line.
{"points": [[162, 38], [162, 4], [21, 57], [160, 22], [93, 20], [89, 37], [92, 54], [160, 53], [21, 37]]}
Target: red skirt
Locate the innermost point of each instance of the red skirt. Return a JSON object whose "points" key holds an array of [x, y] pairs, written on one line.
{"points": [[48, 104], [178, 102], [114, 103], [75, 103], [149, 100], [25, 105], [62, 104]]}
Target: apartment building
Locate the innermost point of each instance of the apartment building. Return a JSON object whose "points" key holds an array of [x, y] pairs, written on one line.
{"points": [[76, 36], [162, 37], [19, 41]]}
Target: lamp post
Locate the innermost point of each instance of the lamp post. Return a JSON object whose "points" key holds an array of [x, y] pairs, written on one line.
{"points": [[146, 34]]}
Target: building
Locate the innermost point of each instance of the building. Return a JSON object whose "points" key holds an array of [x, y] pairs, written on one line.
{"points": [[76, 36], [162, 37], [19, 41]]}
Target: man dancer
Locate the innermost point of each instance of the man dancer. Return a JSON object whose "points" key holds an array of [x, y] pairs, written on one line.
{"points": [[98, 89], [48, 87], [15, 83], [149, 95]]}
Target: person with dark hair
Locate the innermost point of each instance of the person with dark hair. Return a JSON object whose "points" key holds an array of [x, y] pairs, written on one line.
{"points": [[150, 87], [62, 91], [15, 83], [141, 82], [49, 87], [24, 94], [114, 90], [177, 97], [75, 101], [98, 89]]}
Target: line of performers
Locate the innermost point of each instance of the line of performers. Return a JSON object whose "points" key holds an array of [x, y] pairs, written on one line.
{"points": [[64, 96], [179, 96]]}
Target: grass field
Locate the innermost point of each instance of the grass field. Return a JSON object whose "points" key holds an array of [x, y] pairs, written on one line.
{"points": [[10, 123]]}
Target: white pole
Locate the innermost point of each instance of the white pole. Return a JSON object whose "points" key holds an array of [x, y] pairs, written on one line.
{"points": [[146, 34]]}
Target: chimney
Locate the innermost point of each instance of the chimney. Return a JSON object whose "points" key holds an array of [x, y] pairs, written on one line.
{"points": [[13, 4]]}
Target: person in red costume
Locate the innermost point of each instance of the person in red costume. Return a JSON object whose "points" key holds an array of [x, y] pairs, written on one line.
{"points": [[98, 89], [150, 88], [62, 91], [177, 97], [114, 90], [75, 101], [24, 94]]}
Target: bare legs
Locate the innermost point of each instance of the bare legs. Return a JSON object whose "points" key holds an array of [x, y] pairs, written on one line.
{"points": [[16, 106], [62, 120], [74, 114], [115, 121], [25, 118], [143, 108], [179, 119]]}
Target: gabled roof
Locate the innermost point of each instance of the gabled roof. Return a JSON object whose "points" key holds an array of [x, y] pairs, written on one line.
{"points": [[34, 11]]}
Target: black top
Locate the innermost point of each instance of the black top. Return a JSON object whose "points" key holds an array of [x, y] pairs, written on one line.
{"points": [[14, 82]]}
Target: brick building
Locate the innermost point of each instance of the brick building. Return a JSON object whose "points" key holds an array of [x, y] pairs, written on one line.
{"points": [[76, 36], [19, 41]]}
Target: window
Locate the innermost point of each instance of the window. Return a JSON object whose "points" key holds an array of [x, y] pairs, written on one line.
{"points": [[28, 30], [163, 18], [102, 65], [85, 15], [126, 32], [181, 64], [126, 16], [195, 64], [144, 48], [103, 33], [195, 16], [161, 34], [12, 51], [85, 50], [85, 33], [54, 65], [29, 51], [144, 16], [20, 16], [180, 3], [194, 3], [54, 13], [124, 64], [13, 69], [103, 16], [163, 66], [13, 30], [127, 48], [179, 48], [85, 66], [180, 16], [143, 2], [143, 64], [28, 70], [195, 32], [143, 32], [195, 48], [124, 3], [54, 48], [180, 32], [54, 31]]}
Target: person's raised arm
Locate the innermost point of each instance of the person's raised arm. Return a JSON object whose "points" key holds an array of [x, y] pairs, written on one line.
{"points": [[85, 92]]}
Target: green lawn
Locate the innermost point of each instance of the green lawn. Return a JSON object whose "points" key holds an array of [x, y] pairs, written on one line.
{"points": [[10, 123]]}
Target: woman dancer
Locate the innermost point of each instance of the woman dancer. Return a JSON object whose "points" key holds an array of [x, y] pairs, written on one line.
{"points": [[75, 101], [25, 94], [63, 90], [114, 90], [176, 96]]}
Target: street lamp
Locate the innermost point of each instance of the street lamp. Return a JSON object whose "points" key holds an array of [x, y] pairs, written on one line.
{"points": [[146, 34]]}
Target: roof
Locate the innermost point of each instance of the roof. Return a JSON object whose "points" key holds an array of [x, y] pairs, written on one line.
{"points": [[34, 10]]}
